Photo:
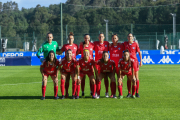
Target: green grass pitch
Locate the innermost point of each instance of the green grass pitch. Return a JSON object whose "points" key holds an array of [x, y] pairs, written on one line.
{"points": [[20, 94]]}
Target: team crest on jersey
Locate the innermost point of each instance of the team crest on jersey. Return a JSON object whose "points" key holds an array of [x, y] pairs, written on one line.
{"points": [[54, 45], [133, 47], [110, 66], [105, 45], [119, 48], [90, 64], [125, 62], [47, 46], [91, 49], [74, 47]]}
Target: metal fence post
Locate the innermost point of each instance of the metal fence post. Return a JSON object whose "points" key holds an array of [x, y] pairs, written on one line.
{"points": [[61, 27], [131, 28]]}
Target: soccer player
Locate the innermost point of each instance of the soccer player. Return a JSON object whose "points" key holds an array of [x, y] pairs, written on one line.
{"points": [[68, 65], [74, 48], [49, 67], [86, 45], [86, 65], [99, 47], [133, 48], [48, 46], [107, 70], [125, 66]]}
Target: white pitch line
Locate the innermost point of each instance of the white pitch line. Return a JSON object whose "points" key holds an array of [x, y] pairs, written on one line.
{"points": [[23, 83]]}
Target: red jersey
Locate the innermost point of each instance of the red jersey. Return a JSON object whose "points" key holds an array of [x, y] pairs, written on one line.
{"points": [[86, 66], [50, 69], [133, 49], [116, 53], [99, 48], [125, 67], [68, 66], [90, 47], [106, 67], [73, 47]]}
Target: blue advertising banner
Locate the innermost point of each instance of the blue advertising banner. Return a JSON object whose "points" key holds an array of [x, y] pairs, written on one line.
{"points": [[15, 61]]}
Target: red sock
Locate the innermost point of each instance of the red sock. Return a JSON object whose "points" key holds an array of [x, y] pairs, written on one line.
{"points": [[82, 84], [94, 89], [43, 90], [78, 89], [74, 88], [55, 91], [98, 87], [137, 86], [62, 86], [66, 87], [120, 90], [133, 89], [106, 82], [129, 86]]}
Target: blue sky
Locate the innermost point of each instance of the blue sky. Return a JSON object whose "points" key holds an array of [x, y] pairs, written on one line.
{"points": [[33, 3]]}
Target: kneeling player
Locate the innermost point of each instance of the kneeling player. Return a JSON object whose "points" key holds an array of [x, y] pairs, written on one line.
{"points": [[49, 67], [86, 65], [107, 69], [68, 66], [125, 66]]}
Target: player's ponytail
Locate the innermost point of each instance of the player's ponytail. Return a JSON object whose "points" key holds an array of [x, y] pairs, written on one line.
{"points": [[48, 59]]}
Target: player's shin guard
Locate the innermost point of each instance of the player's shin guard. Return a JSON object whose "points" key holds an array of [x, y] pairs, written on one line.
{"points": [[62, 86], [137, 86], [78, 89], [82, 84], [98, 87], [43, 90], [133, 89], [94, 89], [74, 88], [129, 86], [106, 82], [66, 87], [55, 91], [120, 90]]}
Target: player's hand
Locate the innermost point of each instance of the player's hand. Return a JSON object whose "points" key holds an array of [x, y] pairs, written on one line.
{"points": [[42, 75], [141, 63]]}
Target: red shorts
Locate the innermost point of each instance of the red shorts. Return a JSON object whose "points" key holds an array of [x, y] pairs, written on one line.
{"points": [[82, 74], [128, 74], [47, 74], [136, 65], [63, 71], [98, 68]]}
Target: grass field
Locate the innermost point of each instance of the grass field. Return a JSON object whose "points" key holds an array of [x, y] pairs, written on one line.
{"points": [[20, 94]]}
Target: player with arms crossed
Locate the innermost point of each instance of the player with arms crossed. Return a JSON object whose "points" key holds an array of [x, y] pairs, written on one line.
{"points": [[99, 47], [86, 65], [108, 69], [74, 48], [49, 67], [86, 45], [133, 48], [125, 67], [68, 65]]}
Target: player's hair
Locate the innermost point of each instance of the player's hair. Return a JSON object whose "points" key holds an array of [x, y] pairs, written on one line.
{"points": [[101, 33], [114, 35], [86, 34], [48, 59], [68, 50], [70, 34], [129, 55], [102, 60], [49, 33], [85, 50], [130, 33]]}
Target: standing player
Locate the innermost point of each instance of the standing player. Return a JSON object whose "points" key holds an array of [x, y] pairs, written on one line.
{"points": [[68, 65], [74, 48], [48, 46], [86, 65], [133, 48], [125, 66], [108, 69], [86, 45], [49, 67], [99, 47]]}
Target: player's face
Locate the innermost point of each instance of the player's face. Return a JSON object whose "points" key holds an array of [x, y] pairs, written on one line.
{"points": [[86, 53], [86, 38], [49, 38], [105, 57], [71, 39], [101, 38], [51, 56], [69, 55], [130, 38], [126, 56], [114, 39]]}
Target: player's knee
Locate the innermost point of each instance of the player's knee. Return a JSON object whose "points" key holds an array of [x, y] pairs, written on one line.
{"points": [[63, 77]]}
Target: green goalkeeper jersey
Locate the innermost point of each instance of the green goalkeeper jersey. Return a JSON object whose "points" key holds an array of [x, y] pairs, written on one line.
{"points": [[46, 47]]}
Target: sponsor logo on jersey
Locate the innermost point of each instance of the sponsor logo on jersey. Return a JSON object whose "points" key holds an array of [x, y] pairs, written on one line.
{"points": [[12, 54], [166, 60], [147, 60]]}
